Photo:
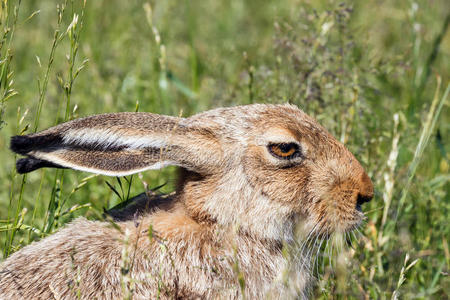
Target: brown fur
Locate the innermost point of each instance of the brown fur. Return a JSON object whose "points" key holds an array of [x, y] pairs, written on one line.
{"points": [[235, 209]]}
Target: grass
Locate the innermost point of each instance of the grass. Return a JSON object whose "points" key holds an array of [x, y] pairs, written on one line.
{"points": [[376, 74]]}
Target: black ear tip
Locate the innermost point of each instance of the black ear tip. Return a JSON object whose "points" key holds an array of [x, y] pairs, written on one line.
{"points": [[21, 144], [25, 165]]}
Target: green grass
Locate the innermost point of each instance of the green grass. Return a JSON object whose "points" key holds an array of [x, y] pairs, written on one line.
{"points": [[375, 73]]}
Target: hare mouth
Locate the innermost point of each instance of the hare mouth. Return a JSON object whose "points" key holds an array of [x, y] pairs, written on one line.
{"points": [[327, 226], [358, 207], [337, 216]]}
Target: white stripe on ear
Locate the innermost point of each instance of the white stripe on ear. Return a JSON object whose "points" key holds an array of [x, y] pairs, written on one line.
{"points": [[55, 158], [106, 138]]}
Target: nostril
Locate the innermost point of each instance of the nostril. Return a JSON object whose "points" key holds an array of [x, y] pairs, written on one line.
{"points": [[363, 199], [365, 191]]}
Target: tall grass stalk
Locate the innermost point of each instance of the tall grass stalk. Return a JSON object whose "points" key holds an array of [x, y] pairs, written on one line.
{"points": [[402, 278], [57, 38], [389, 180], [161, 57], [7, 91], [427, 131], [73, 32], [8, 26]]}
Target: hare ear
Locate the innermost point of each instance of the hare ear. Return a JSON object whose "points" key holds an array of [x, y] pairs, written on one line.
{"points": [[119, 144]]}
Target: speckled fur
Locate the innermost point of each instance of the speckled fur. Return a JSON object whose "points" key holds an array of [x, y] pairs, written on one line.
{"points": [[235, 208]]}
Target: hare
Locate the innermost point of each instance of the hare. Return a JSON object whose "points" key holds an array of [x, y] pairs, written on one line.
{"points": [[250, 176]]}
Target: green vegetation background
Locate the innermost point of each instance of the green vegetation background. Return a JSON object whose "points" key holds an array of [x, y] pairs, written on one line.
{"points": [[373, 72]]}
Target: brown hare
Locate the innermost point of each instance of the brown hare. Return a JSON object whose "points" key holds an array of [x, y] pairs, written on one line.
{"points": [[250, 177]]}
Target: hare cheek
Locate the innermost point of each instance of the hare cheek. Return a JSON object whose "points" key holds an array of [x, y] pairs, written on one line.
{"points": [[282, 185]]}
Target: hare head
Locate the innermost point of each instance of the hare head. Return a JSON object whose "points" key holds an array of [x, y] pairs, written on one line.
{"points": [[263, 167]]}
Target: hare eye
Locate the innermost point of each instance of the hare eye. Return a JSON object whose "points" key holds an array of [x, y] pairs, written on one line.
{"points": [[284, 150]]}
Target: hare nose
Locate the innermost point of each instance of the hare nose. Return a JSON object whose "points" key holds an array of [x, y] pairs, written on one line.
{"points": [[366, 190]]}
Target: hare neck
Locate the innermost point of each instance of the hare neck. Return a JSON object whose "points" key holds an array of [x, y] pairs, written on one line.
{"points": [[229, 201]]}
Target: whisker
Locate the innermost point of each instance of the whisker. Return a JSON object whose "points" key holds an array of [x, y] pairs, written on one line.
{"points": [[330, 249], [373, 210], [317, 255], [310, 245], [354, 237], [306, 241]]}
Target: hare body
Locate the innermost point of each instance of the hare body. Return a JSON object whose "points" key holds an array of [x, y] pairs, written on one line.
{"points": [[183, 259], [251, 176]]}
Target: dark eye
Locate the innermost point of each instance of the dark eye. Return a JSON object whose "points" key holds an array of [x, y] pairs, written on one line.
{"points": [[284, 150]]}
